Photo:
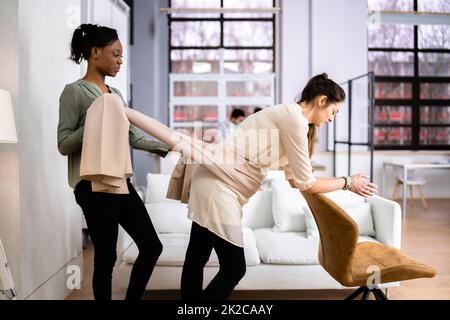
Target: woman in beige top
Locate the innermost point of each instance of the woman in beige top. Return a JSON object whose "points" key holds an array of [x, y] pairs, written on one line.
{"points": [[216, 208], [233, 170]]}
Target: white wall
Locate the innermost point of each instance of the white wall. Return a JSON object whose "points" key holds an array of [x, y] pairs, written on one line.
{"points": [[43, 234], [150, 79], [322, 36], [9, 154], [339, 48], [339, 38], [50, 218], [295, 33]]}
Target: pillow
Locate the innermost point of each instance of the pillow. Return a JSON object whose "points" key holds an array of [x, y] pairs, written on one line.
{"points": [[312, 231], [157, 185], [288, 207], [169, 217], [361, 213]]}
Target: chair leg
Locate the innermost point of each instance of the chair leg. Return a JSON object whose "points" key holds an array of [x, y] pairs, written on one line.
{"points": [[365, 295], [411, 194], [424, 202], [356, 293], [378, 293], [397, 186]]}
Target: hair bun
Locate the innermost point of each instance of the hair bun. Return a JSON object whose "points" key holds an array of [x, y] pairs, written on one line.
{"points": [[87, 36], [88, 28], [324, 76]]}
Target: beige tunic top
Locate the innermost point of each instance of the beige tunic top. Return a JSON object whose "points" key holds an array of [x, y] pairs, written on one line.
{"points": [[270, 139], [226, 175]]}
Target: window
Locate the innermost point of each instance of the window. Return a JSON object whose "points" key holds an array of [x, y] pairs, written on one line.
{"points": [[412, 78], [219, 62]]}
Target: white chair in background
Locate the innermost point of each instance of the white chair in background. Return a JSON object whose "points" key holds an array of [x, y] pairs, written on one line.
{"points": [[412, 179]]}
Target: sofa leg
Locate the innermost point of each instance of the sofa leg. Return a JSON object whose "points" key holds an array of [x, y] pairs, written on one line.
{"points": [[356, 293]]}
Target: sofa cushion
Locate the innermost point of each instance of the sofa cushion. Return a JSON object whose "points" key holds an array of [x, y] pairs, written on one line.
{"points": [[157, 185], [289, 247], [286, 247], [361, 213], [250, 249], [175, 246], [288, 207], [257, 212], [169, 217], [345, 198], [174, 251], [311, 226], [367, 239]]}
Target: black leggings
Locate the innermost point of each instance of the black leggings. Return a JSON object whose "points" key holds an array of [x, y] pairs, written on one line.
{"points": [[232, 266], [104, 212]]}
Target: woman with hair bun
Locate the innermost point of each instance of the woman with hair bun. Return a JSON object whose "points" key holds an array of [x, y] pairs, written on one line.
{"points": [[104, 212], [215, 205], [219, 188]]}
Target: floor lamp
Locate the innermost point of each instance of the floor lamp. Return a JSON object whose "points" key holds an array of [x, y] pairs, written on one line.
{"points": [[8, 134]]}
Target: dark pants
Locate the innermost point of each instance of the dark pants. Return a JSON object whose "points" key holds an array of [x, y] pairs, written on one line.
{"points": [[104, 212], [231, 271]]}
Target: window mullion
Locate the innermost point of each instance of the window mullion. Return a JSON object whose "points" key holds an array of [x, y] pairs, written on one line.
{"points": [[222, 112], [415, 134]]}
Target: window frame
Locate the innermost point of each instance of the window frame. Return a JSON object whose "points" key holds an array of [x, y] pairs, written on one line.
{"points": [[415, 102], [222, 100]]}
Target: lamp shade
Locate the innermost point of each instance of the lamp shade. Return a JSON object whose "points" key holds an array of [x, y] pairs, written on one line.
{"points": [[8, 132]]}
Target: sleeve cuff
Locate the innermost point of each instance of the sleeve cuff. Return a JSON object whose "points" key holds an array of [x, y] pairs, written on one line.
{"points": [[305, 185], [154, 147]]}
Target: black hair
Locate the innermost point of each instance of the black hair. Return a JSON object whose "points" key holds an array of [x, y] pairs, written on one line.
{"points": [[322, 85], [257, 109], [88, 36], [236, 113]]}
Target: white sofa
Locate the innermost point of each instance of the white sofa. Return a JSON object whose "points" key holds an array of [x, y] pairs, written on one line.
{"points": [[280, 237]]}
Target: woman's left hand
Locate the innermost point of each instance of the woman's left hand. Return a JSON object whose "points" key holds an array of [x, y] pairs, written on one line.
{"points": [[362, 185]]}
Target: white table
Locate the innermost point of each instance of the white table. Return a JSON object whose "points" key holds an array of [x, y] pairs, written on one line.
{"points": [[409, 166]]}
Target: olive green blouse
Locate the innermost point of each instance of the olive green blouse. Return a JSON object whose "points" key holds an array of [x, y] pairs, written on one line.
{"points": [[75, 99]]}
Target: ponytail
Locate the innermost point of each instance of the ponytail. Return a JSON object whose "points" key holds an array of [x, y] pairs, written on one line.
{"points": [[317, 86]]}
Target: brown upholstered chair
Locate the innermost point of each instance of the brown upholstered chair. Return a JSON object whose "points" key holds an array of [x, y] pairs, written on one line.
{"points": [[351, 263]]}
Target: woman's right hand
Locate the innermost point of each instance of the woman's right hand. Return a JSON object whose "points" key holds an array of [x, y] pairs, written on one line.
{"points": [[362, 185]]}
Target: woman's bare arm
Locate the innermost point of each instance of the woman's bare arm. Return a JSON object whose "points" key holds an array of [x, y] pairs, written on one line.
{"points": [[361, 185]]}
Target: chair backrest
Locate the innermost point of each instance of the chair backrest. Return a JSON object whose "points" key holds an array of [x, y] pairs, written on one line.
{"points": [[338, 237]]}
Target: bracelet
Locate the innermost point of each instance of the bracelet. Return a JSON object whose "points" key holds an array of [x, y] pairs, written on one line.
{"points": [[350, 185], [346, 183]]}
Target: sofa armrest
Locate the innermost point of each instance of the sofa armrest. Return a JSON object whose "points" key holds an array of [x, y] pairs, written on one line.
{"points": [[387, 219]]}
